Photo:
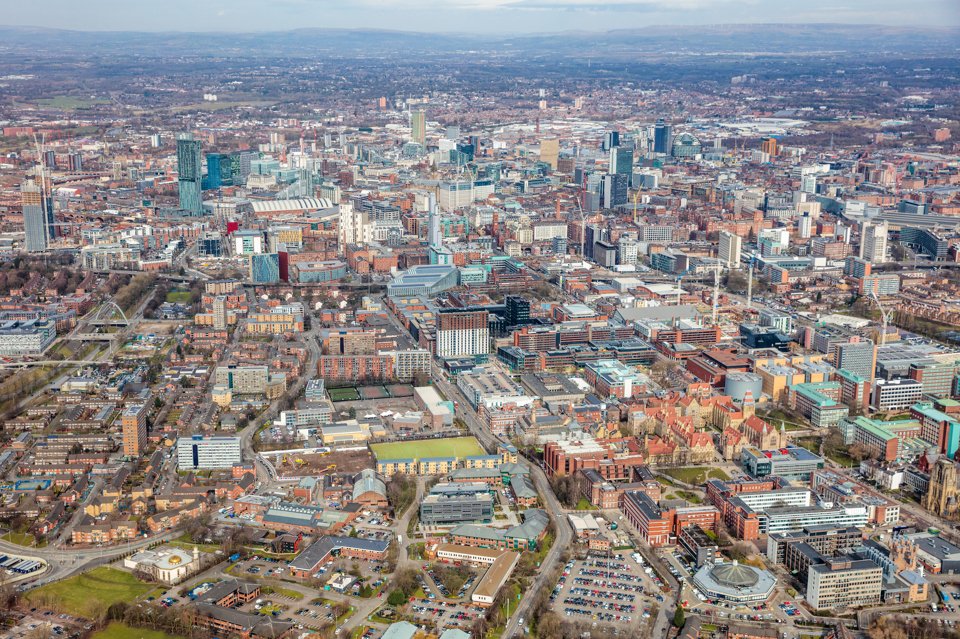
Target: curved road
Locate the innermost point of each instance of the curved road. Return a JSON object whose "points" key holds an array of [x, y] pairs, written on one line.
{"points": [[564, 536]]}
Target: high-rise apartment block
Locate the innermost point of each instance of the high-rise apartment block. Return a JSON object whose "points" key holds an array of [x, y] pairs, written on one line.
{"points": [[133, 425], [462, 333], [873, 241], [418, 126], [38, 224], [730, 247], [189, 174]]}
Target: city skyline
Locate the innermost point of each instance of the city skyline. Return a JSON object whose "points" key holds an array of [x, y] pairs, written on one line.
{"points": [[475, 16]]}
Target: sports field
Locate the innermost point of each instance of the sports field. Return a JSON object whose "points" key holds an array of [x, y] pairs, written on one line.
{"points": [[348, 394], [423, 448]]}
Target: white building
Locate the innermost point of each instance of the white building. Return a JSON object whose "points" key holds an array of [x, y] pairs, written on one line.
{"points": [[167, 565], [730, 247], [455, 195], [873, 241], [201, 452], [354, 227]]}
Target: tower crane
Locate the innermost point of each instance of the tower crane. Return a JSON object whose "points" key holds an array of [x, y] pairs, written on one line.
{"points": [[884, 314]]}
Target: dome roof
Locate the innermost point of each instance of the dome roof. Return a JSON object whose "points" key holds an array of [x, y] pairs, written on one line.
{"points": [[734, 575], [685, 139]]}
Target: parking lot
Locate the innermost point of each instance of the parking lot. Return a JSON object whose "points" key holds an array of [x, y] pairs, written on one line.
{"points": [[47, 624], [619, 590], [446, 614]]}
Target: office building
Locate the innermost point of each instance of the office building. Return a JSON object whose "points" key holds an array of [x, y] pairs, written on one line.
{"points": [[133, 425], [202, 452], [826, 540], [792, 462], [38, 224], [896, 394], [873, 241], [517, 311], [685, 145], [462, 333], [937, 378], [730, 247], [189, 174], [621, 161], [840, 582], [605, 254], [614, 190], [418, 127], [456, 503], [26, 337], [860, 358], [458, 194], [662, 137]]}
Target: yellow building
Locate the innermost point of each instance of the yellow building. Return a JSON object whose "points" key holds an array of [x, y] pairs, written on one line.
{"points": [[222, 395], [389, 467], [438, 465]]}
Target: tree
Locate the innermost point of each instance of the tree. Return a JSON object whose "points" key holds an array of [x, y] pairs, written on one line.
{"points": [[679, 617], [396, 598]]}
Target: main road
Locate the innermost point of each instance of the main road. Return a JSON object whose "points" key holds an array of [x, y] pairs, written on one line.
{"points": [[564, 536]]}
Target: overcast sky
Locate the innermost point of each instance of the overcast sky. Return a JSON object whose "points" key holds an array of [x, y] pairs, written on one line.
{"points": [[479, 16]]}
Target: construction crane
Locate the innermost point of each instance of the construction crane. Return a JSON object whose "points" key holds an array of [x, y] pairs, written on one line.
{"points": [[884, 314]]}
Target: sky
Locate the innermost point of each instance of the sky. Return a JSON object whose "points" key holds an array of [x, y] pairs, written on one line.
{"points": [[471, 16]]}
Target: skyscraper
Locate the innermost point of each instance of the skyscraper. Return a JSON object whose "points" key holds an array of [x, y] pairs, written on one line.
{"points": [[38, 225], [614, 190], [621, 161], [418, 126], [550, 152], [729, 252], [434, 237], [611, 140], [189, 174], [662, 137], [873, 241]]}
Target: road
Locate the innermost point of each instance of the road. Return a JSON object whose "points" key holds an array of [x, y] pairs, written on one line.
{"points": [[266, 474], [66, 562], [564, 536]]}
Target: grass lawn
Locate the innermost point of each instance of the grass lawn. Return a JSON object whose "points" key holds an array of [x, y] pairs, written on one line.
{"points": [[68, 102], [696, 476], [21, 539], [343, 394], [117, 630], [583, 504], [181, 297], [91, 593], [447, 447]]}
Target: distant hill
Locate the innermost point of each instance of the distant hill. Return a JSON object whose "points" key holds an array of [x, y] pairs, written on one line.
{"points": [[688, 40]]}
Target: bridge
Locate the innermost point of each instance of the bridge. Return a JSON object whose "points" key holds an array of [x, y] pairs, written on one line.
{"points": [[95, 337], [48, 362]]}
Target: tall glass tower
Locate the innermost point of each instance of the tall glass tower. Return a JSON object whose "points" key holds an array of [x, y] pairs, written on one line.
{"points": [[189, 171], [38, 226]]}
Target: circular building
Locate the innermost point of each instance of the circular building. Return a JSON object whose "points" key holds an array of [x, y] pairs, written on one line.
{"points": [[738, 384], [734, 582], [685, 146]]}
